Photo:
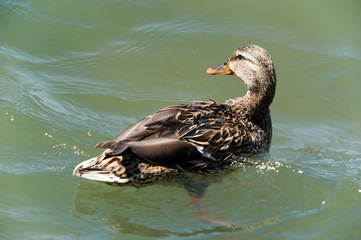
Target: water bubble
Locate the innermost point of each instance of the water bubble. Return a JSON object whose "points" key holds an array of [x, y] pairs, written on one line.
{"points": [[48, 135]]}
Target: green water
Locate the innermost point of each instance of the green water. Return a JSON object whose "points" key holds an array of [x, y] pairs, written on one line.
{"points": [[74, 73]]}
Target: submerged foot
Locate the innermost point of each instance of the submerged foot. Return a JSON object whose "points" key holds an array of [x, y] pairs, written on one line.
{"points": [[201, 212]]}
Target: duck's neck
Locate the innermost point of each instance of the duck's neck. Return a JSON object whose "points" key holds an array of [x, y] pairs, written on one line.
{"points": [[254, 105]]}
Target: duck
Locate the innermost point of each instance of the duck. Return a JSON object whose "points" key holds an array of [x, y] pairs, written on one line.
{"points": [[196, 136]]}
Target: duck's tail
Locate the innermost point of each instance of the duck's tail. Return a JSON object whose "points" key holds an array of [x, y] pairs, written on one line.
{"points": [[103, 169], [122, 169]]}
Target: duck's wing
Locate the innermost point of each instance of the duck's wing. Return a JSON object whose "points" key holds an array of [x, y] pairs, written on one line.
{"points": [[180, 133], [154, 138]]}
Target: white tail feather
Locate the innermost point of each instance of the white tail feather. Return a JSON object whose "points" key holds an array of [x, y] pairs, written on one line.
{"points": [[88, 170]]}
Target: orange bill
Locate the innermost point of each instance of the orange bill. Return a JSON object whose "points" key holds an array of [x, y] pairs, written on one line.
{"points": [[222, 69]]}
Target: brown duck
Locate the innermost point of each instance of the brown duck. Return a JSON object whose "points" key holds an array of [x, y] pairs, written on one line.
{"points": [[195, 136]]}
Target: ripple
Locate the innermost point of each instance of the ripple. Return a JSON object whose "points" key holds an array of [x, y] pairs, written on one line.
{"points": [[327, 54], [150, 36], [173, 27], [35, 14], [19, 9], [74, 61], [324, 157]]}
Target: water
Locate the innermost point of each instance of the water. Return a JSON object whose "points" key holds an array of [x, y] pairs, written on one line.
{"points": [[73, 74]]}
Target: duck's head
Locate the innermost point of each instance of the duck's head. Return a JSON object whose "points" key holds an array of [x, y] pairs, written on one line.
{"points": [[253, 65]]}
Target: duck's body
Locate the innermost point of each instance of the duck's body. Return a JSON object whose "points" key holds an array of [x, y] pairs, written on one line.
{"points": [[194, 136]]}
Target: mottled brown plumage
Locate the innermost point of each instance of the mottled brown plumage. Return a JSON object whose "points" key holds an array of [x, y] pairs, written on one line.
{"points": [[195, 136]]}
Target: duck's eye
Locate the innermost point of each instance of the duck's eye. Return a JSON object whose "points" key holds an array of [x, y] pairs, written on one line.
{"points": [[239, 57]]}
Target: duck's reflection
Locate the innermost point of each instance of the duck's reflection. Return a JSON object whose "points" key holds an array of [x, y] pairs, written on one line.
{"points": [[156, 210]]}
